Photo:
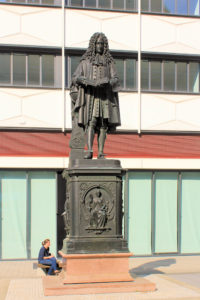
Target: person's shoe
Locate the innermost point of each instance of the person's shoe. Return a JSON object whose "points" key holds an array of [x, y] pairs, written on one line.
{"points": [[89, 154]]}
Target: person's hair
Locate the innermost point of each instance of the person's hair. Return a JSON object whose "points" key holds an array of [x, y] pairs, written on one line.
{"points": [[91, 51], [45, 241]]}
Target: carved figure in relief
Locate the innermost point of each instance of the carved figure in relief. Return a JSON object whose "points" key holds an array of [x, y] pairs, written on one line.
{"points": [[98, 211], [94, 94]]}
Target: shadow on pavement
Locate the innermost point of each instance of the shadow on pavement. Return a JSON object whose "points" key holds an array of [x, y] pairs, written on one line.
{"points": [[151, 267]]}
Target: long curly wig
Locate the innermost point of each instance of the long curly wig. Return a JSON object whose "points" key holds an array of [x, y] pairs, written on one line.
{"points": [[91, 51]]}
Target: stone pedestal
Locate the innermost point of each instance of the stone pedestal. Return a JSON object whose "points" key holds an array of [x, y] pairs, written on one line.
{"points": [[93, 208], [90, 268]]}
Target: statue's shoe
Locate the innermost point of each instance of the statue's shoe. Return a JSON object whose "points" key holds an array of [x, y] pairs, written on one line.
{"points": [[89, 155], [101, 155]]}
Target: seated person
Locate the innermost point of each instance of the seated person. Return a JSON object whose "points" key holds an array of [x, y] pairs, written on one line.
{"points": [[46, 258]]}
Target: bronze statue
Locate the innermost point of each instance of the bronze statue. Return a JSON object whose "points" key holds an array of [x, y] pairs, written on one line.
{"points": [[94, 94]]}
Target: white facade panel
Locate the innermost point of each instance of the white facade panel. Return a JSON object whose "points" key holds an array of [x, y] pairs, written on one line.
{"points": [[128, 103], [30, 25], [170, 34], [29, 108], [126, 163], [170, 112], [121, 29]]}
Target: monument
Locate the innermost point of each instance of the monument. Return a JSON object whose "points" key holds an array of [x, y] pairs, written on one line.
{"points": [[94, 250]]}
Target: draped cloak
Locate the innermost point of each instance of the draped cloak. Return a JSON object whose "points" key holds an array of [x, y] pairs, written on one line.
{"points": [[84, 96]]}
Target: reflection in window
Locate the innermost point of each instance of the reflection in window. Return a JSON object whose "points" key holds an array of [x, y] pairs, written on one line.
{"points": [[75, 60], [19, 69], [118, 4], [34, 69], [169, 6], [156, 5], [90, 3], [194, 7], [131, 74], [194, 77], [130, 5], [181, 76], [48, 70], [169, 76], [182, 8], [145, 74], [119, 64], [145, 5], [77, 3], [155, 75], [5, 68], [104, 3]]}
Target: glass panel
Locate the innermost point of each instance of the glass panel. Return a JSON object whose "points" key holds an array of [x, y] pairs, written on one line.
{"points": [[169, 75], [47, 70], [182, 7], [156, 5], [48, 2], [190, 221], [194, 77], [5, 68], [33, 1], [13, 193], [130, 73], [145, 74], [42, 192], [76, 2], [194, 7], [165, 212], [90, 3], [104, 3], [119, 63], [34, 69], [130, 5], [75, 60], [155, 75], [139, 227], [181, 76], [145, 5], [169, 6], [19, 69], [118, 4]]}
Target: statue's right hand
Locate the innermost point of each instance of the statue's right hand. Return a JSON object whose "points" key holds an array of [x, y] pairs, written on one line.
{"points": [[81, 80]]}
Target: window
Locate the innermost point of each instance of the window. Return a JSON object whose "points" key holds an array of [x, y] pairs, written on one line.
{"points": [[155, 75], [169, 76], [194, 77], [127, 5], [156, 5], [5, 68], [163, 214], [34, 2], [20, 69], [181, 76], [126, 70], [178, 7]]}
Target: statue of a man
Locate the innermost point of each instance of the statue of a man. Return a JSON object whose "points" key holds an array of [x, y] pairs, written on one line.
{"points": [[94, 93]]}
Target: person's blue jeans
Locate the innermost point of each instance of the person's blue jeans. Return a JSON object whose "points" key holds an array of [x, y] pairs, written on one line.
{"points": [[50, 262]]}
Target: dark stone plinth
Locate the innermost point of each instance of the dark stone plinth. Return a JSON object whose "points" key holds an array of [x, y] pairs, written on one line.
{"points": [[93, 208]]}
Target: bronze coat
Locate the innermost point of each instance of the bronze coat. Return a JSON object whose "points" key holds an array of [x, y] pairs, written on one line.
{"points": [[83, 96]]}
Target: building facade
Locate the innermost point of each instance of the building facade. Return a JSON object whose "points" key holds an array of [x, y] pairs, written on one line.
{"points": [[156, 49]]}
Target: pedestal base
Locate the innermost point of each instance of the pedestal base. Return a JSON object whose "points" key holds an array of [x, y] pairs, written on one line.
{"points": [[107, 267], [53, 286], [95, 274]]}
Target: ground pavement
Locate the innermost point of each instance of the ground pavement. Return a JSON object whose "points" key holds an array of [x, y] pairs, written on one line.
{"points": [[176, 277]]}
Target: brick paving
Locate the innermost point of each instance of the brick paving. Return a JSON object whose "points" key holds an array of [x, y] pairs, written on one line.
{"points": [[20, 280]]}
